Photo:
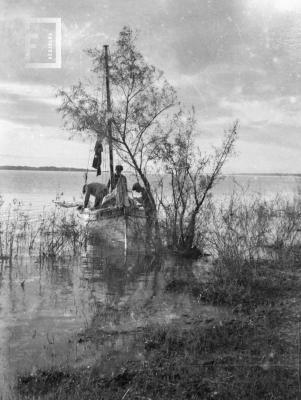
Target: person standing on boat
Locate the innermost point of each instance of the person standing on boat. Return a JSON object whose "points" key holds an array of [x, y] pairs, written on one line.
{"points": [[119, 193], [98, 190], [122, 197], [118, 170]]}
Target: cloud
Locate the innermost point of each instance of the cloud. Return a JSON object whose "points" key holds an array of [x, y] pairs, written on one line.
{"points": [[40, 93], [83, 35], [282, 111], [40, 146], [275, 6], [230, 59], [29, 103], [268, 158]]}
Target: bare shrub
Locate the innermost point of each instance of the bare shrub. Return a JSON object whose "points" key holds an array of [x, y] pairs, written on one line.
{"points": [[193, 174], [246, 236]]}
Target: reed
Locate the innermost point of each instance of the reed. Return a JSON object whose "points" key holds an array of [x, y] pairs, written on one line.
{"points": [[255, 245], [247, 234], [53, 233]]}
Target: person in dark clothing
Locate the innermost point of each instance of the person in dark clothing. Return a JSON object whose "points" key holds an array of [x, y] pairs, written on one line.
{"points": [[98, 190], [149, 208], [118, 170], [144, 200], [98, 149]]}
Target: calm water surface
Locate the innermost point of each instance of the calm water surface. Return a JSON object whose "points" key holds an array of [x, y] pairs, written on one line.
{"points": [[40, 321], [40, 188], [43, 307]]}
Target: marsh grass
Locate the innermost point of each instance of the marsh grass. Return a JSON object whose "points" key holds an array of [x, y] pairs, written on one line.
{"points": [[54, 233], [256, 249], [60, 234], [238, 359], [253, 232], [256, 246]]}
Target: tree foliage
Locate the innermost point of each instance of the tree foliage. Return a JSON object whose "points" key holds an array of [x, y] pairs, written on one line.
{"points": [[192, 176], [140, 96], [145, 131]]}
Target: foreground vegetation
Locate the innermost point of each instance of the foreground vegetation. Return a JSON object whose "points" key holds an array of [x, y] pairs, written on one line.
{"points": [[245, 358], [253, 354], [54, 233]]}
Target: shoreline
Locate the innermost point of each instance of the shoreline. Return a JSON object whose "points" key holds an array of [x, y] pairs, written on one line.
{"points": [[71, 169], [248, 353]]}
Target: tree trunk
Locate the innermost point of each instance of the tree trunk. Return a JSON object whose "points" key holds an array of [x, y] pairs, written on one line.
{"points": [[190, 232], [157, 241]]}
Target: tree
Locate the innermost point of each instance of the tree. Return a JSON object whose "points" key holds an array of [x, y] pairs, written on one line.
{"points": [[193, 175], [144, 131], [140, 96]]}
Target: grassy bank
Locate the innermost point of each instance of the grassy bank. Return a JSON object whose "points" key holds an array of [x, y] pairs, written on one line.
{"points": [[239, 360], [252, 356]]}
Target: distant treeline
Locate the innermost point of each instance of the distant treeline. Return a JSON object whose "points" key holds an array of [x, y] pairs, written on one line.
{"points": [[50, 168], [264, 174]]}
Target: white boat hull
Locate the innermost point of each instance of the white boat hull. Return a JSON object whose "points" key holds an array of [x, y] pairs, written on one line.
{"points": [[116, 228]]}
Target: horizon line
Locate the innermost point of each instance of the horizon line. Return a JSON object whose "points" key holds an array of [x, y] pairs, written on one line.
{"points": [[79, 169]]}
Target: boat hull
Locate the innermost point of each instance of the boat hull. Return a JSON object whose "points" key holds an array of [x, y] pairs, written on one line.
{"points": [[116, 227]]}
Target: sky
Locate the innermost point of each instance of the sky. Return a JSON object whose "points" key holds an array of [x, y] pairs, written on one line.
{"points": [[231, 59]]}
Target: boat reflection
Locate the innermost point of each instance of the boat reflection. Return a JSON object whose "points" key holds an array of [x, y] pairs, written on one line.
{"points": [[73, 312]]}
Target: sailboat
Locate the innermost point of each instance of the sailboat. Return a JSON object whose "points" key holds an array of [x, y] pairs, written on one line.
{"points": [[118, 226]]}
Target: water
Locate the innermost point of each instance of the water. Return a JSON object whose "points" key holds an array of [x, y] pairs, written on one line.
{"points": [[40, 188], [43, 307], [41, 320]]}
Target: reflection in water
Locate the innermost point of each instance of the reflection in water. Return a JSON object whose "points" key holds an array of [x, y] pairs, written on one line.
{"points": [[44, 306]]}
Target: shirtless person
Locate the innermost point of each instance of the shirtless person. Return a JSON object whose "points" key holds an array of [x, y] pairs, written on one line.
{"points": [[98, 190]]}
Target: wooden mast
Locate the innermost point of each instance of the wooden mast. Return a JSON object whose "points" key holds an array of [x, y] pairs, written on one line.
{"points": [[109, 115], [109, 124]]}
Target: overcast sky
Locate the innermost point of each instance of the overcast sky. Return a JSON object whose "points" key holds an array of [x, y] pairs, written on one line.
{"points": [[232, 59]]}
